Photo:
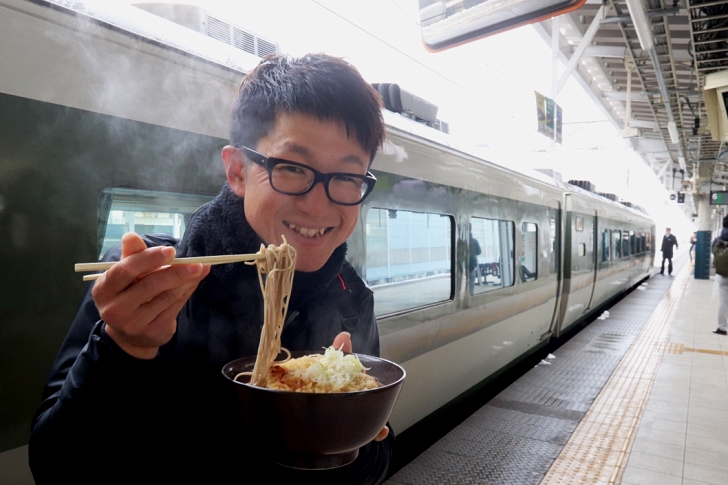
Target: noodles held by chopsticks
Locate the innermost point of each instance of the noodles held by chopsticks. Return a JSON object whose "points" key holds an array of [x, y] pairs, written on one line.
{"points": [[331, 372], [278, 266]]}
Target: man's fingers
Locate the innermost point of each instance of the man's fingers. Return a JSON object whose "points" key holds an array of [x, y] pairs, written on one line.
{"points": [[154, 293], [131, 268], [382, 434], [131, 243], [140, 327], [343, 342]]}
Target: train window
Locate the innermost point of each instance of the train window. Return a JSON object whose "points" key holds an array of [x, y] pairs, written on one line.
{"points": [[578, 224], [529, 252], [606, 245], [581, 249], [633, 242], [122, 210], [647, 241], [408, 259], [625, 243], [495, 261], [617, 244]]}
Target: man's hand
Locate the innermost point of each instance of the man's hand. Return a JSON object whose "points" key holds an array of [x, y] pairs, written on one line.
{"points": [[139, 297], [343, 342]]}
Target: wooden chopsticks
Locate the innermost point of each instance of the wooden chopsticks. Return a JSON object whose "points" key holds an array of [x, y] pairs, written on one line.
{"points": [[206, 260]]}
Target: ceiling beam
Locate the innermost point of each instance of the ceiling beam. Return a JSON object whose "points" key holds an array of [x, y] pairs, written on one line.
{"points": [[644, 145], [644, 124], [585, 41], [605, 51], [650, 14]]}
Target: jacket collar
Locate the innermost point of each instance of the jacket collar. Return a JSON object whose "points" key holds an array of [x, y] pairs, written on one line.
{"points": [[220, 227]]}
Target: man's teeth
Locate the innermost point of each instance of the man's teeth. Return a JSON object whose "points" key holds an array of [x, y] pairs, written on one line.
{"points": [[307, 232]]}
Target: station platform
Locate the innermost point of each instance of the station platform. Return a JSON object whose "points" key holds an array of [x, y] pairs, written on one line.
{"points": [[639, 396]]}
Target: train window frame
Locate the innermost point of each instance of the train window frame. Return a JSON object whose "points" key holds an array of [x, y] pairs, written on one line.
{"points": [[386, 242], [625, 244], [633, 242], [581, 249], [491, 273], [606, 247], [616, 244], [554, 239], [127, 205], [529, 252]]}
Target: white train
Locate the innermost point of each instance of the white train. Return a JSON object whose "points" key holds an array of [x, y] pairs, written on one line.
{"points": [[112, 119]]}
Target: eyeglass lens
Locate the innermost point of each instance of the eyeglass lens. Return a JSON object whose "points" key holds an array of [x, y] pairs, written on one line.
{"points": [[293, 179]]}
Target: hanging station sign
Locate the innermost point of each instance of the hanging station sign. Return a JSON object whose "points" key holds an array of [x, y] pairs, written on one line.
{"points": [[719, 198]]}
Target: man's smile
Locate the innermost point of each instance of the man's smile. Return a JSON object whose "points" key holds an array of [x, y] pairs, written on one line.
{"points": [[305, 231]]}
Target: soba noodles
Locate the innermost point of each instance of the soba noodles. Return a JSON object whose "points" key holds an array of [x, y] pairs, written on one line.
{"points": [[331, 372], [275, 273]]}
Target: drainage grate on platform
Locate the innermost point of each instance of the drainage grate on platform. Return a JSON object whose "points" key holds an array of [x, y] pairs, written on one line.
{"points": [[610, 343]]}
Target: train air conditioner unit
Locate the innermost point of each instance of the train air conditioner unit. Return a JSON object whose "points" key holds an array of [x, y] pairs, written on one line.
{"points": [[584, 184], [197, 19], [407, 104]]}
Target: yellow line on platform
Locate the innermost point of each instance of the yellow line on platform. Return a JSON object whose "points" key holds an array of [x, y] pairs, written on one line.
{"points": [[599, 448]]}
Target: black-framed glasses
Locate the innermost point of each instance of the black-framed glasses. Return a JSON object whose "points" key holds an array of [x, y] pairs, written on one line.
{"points": [[293, 178]]}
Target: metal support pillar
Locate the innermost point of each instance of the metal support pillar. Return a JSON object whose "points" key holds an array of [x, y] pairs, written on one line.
{"points": [[702, 247]]}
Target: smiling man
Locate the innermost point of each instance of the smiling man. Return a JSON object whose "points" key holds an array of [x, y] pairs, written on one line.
{"points": [[323, 215], [136, 393]]}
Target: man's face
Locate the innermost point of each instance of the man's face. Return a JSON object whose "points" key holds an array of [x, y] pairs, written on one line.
{"points": [[311, 223]]}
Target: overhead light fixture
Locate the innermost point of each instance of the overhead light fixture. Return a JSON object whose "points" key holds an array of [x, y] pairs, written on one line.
{"points": [[672, 128], [641, 23]]}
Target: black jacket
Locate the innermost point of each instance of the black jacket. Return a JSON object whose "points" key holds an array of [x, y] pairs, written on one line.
{"points": [[107, 417], [667, 243], [723, 237]]}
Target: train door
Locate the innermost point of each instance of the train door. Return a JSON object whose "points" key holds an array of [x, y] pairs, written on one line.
{"points": [[579, 261], [555, 262], [595, 255], [563, 242]]}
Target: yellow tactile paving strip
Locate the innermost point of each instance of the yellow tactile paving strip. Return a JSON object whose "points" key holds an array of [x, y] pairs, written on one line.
{"points": [[599, 447]]}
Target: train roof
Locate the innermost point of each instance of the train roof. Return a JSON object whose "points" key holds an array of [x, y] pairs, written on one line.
{"points": [[151, 28], [399, 123]]}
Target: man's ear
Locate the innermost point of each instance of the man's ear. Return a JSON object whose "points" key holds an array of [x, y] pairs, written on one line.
{"points": [[234, 162]]}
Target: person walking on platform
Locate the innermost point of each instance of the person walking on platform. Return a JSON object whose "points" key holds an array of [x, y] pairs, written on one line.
{"points": [[719, 248], [668, 241], [693, 242]]}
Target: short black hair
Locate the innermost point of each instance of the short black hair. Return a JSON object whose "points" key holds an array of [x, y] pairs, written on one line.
{"points": [[725, 221], [325, 87]]}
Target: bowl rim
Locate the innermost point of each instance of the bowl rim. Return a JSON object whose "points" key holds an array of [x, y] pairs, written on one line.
{"points": [[315, 352]]}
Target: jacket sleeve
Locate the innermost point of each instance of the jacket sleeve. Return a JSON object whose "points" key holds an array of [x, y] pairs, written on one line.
{"points": [[372, 465], [89, 398]]}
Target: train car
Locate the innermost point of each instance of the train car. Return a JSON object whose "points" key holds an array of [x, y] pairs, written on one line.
{"points": [[112, 120]]}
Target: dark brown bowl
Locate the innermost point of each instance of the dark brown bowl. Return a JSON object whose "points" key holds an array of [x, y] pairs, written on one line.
{"points": [[315, 431]]}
